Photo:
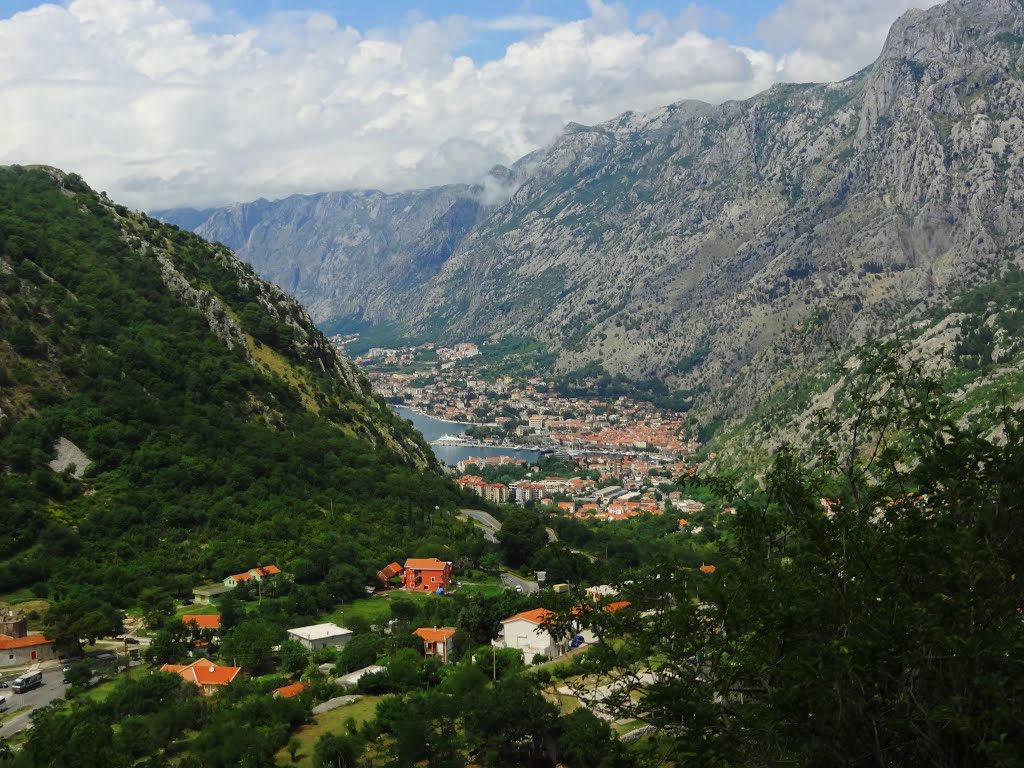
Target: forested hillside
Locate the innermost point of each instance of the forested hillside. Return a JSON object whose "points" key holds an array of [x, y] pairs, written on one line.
{"points": [[204, 424]]}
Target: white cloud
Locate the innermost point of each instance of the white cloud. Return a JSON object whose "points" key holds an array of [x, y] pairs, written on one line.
{"points": [[146, 105], [831, 40]]}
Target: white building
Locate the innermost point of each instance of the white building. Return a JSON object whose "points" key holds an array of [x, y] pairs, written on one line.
{"points": [[321, 636], [525, 632]]}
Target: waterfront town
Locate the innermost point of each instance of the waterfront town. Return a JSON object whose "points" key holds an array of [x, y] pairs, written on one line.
{"points": [[614, 453]]}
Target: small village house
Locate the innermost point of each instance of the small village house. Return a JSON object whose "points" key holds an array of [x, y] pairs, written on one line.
{"points": [[18, 651], [427, 574], [202, 621], [437, 643], [253, 574], [209, 594], [318, 636], [209, 677], [525, 632]]}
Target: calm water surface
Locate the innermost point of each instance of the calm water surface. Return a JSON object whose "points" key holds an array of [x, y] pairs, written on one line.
{"points": [[432, 428]]}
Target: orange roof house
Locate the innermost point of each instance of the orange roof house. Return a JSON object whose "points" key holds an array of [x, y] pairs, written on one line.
{"points": [[618, 605], [258, 574], [707, 568], [202, 621], [525, 632], [205, 674], [289, 691], [437, 642], [388, 572], [25, 650], [427, 574]]}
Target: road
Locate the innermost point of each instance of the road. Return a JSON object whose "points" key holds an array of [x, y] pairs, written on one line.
{"points": [[51, 689], [512, 581], [485, 522]]}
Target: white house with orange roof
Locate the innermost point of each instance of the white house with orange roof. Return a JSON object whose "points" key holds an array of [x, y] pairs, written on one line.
{"points": [[526, 632], [253, 574], [438, 642]]}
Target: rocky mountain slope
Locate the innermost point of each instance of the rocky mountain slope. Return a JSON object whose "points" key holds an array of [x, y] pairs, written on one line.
{"points": [[166, 415], [730, 245], [348, 254], [709, 244]]}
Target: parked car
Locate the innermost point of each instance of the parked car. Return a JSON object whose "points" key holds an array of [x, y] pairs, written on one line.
{"points": [[186, 602], [576, 642], [131, 641], [4, 684]]}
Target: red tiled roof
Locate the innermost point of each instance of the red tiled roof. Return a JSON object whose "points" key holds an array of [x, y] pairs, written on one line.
{"points": [[435, 635], [267, 570], [241, 576], [707, 569], [618, 605], [388, 571], [204, 672], [207, 621], [287, 691], [425, 564], [536, 616], [8, 643]]}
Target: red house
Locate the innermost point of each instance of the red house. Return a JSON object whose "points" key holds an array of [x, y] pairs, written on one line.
{"points": [[427, 574]]}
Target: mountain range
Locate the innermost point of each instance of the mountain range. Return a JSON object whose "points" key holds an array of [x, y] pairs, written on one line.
{"points": [[704, 245]]}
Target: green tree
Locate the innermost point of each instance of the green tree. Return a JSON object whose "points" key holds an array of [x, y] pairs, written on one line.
{"points": [[335, 750], [157, 604], [866, 610], [522, 535], [78, 619], [360, 651], [294, 657], [250, 644]]}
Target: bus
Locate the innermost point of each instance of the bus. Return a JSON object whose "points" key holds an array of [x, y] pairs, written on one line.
{"points": [[27, 682]]}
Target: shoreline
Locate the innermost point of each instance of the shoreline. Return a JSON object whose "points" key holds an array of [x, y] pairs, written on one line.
{"points": [[421, 412]]}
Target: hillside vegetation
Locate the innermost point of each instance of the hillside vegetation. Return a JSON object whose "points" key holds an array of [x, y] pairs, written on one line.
{"points": [[219, 429]]}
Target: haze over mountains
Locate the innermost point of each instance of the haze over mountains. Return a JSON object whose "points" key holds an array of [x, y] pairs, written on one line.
{"points": [[700, 244]]}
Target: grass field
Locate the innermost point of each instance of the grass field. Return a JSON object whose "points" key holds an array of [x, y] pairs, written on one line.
{"points": [[374, 610], [329, 722]]}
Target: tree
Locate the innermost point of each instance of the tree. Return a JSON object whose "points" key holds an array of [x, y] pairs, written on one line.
{"points": [[294, 657], [866, 607], [521, 536], [232, 612], [294, 745], [71, 621], [334, 750], [360, 651], [156, 604], [250, 644]]}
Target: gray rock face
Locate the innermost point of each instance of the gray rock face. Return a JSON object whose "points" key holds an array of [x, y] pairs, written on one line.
{"points": [[346, 254], [708, 245]]}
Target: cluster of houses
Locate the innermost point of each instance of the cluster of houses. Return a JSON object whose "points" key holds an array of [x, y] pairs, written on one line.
{"points": [[210, 593], [530, 632], [18, 647]]}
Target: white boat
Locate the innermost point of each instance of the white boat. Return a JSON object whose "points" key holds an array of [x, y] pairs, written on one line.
{"points": [[451, 440]]}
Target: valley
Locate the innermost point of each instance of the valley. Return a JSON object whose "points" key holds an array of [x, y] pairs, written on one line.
{"points": [[694, 436]]}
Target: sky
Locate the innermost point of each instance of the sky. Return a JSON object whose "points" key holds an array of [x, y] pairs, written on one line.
{"points": [[166, 103]]}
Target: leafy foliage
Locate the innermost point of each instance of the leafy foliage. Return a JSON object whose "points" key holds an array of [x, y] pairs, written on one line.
{"points": [[203, 461], [869, 613]]}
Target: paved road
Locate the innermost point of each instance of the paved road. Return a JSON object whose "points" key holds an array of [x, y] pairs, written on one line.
{"points": [[487, 523], [512, 581], [51, 689]]}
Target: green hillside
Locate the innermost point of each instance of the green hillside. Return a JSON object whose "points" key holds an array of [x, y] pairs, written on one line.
{"points": [[221, 429]]}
